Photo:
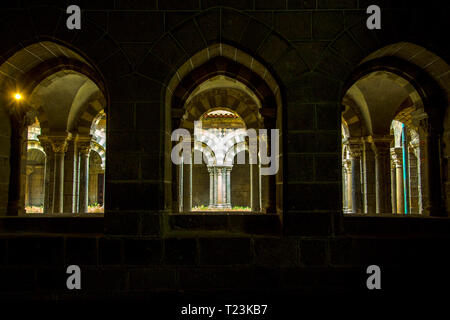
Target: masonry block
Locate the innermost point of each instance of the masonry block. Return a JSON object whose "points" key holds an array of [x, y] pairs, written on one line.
{"points": [[180, 251], [142, 251], [224, 251]]}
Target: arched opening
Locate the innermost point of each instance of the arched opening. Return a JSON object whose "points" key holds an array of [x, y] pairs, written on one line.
{"points": [[224, 104], [53, 96], [392, 134]]}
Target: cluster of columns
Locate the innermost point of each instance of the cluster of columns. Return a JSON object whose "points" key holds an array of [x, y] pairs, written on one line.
{"points": [[374, 177], [66, 172], [219, 187]]}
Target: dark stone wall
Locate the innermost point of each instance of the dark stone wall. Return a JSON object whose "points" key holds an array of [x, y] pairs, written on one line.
{"points": [[200, 185], [311, 47], [240, 183]]}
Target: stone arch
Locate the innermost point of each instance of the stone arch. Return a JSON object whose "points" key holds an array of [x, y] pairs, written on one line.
{"points": [[221, 60], [414, 70]]}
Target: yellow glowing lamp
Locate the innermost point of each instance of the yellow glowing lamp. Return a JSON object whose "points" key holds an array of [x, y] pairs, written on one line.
{"points": [[18, 96]]}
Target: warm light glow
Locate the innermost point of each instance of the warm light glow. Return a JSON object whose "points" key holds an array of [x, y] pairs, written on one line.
{"points": [[17, 96]]}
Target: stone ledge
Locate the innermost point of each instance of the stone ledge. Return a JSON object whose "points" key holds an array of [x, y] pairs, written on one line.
{"points": [[246, 223]]}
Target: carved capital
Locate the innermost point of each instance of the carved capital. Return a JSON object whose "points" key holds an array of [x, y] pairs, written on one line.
{"points": [[84, 144], [397, 157]]}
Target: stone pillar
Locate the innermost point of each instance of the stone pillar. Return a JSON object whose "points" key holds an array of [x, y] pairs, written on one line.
{"points": [[49, 173], [211, 187], [355, 154], [84, 147], [348, 186], [393, 183], [59, 145], [368, 175], [413, 182], [254, 187], [228, 203], [215, 183], [398, 161], [219, 187], [382, 174], [69, 178], [180, 187]]}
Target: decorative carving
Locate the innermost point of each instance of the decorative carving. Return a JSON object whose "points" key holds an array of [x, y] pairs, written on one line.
{"points": [[84, 144]]}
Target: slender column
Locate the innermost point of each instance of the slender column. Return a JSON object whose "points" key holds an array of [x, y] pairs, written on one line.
{"points": [[180, 187], [211, 187], [84, 147], [382, 171], [344, 188], [413, 182], [348, 186], [397, 157], [228, 187], [368, 179], [59, 145], [355, 154], [49, 173], [219, 187], [393, 183], [216, 178]]}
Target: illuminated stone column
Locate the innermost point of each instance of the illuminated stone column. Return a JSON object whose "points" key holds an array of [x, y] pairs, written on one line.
{"points": [[398, 160], [381, 147], [355, 153], [211, 187], [59, 145], [413, 182], [347, 186], [228, 202], [49, 173], [84, 148], [393, 182], [368, 175]]}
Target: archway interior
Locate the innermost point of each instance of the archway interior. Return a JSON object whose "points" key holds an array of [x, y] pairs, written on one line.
{"points": [[383, 152], [219, 113], [69, 132]]}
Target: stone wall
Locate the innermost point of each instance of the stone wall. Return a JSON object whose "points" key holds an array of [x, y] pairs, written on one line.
{"points": [[311, 48]]}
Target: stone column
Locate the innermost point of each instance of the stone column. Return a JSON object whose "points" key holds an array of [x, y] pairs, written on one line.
{"points": [[355, 153], [59, 145], [219, 187], [393, 182], [228, 203], [180, 187], [84, 147], [398, 161], [413, 182], [215, 183], [382, 174], [348, 186], [368, 175], [211, 187], [49, 173]]}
